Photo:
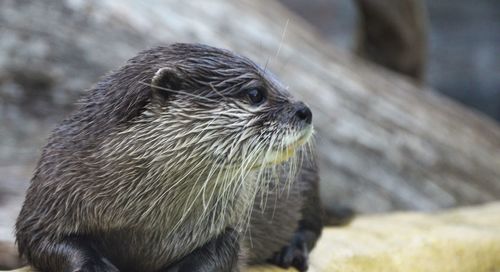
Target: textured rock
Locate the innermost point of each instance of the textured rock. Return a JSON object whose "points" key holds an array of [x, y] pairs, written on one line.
{"points": [[463, 240]]}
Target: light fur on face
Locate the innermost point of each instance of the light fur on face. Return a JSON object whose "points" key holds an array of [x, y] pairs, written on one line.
{"points": [[205, 156]]}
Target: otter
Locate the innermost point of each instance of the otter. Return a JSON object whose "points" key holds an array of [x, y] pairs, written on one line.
{"points": [[187, 158]]}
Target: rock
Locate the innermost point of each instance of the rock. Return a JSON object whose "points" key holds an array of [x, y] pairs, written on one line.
{"points": [[462, 240]]}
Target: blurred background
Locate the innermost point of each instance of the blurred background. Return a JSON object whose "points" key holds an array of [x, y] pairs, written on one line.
{"points": [[463, 59], [404, 93]]}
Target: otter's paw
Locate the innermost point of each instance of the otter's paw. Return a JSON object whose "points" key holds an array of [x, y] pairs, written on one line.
{"points": [[295, 254], [97, 265]]}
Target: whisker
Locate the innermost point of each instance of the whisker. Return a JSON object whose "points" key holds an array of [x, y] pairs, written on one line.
{"points": [[279, 46]]}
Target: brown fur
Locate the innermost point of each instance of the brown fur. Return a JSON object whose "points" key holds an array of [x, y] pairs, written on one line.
{"points": [[163, 157]]}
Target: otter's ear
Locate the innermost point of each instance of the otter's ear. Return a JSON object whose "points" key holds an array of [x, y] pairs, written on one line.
{"points": [[166, 81]]}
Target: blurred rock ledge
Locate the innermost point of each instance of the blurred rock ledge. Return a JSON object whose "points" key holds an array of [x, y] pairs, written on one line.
{"points": [[461, 240]]}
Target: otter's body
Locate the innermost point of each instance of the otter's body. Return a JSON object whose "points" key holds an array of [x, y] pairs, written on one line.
{"points": [[179, 161]]}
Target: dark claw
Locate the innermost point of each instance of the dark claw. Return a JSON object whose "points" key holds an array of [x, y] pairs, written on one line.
{"points": [[294, 255]]}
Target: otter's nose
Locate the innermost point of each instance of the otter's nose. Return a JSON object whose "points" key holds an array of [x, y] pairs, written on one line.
{"points": [[303, 113]]}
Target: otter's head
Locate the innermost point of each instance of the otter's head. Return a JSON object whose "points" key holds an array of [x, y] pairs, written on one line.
{"points": [[212, 109], [223, 109]]}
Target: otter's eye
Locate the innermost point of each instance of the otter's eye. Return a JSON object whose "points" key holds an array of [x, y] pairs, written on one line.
{"points": [[256, 96]]}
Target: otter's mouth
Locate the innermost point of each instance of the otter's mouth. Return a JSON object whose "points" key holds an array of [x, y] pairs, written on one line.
{"points": [[291, 143]]}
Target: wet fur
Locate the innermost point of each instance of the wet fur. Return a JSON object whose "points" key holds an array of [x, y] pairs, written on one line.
{"points": [[163, 161]]}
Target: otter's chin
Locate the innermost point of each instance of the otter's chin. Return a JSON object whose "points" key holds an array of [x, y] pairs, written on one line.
{"points": [[290, 145]]}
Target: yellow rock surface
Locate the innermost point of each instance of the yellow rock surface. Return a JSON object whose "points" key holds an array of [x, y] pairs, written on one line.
{"points": [[462, 240]]}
